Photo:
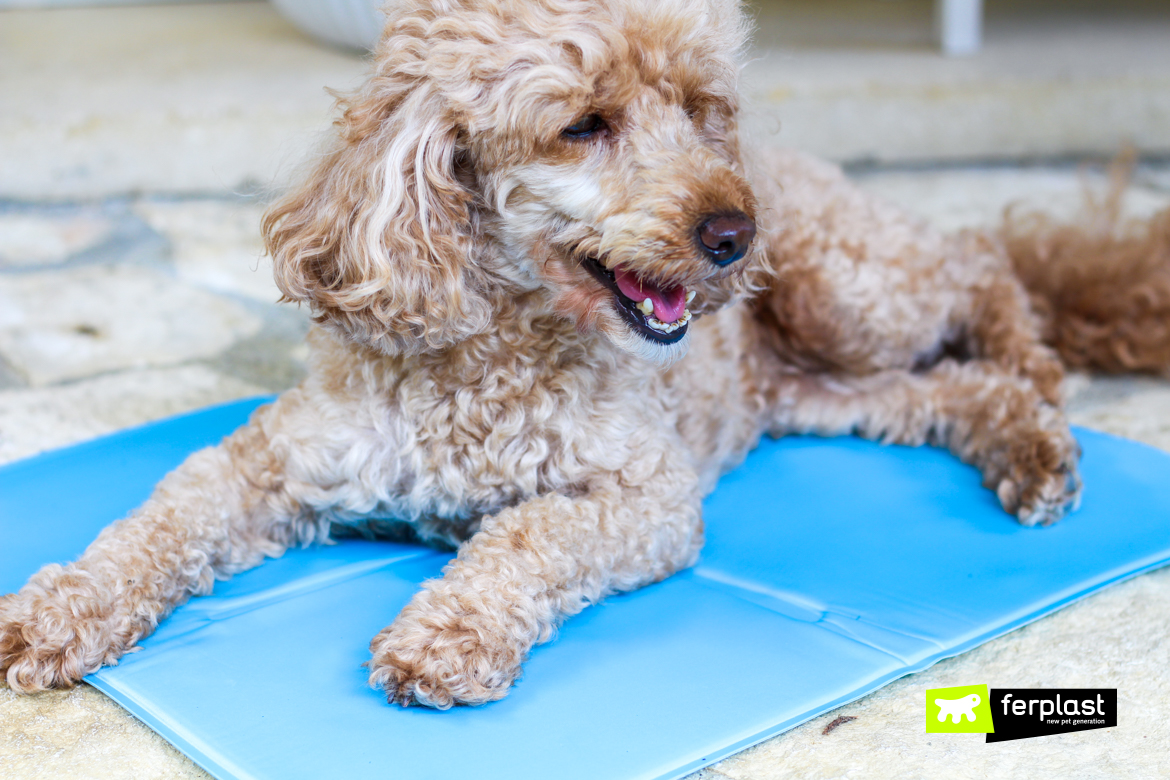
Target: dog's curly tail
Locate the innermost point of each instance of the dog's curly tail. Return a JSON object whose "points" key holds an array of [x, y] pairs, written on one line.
{"points": [[1101, 287]]}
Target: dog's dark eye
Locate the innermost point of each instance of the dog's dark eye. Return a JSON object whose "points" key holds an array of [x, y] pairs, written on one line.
{"points": [[584, 127]]}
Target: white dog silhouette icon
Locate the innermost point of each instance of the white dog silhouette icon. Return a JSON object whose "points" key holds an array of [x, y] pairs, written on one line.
{"points": [[957, 708]]}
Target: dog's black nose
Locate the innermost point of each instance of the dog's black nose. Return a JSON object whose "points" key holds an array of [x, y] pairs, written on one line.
{"points": [[726, 237]]}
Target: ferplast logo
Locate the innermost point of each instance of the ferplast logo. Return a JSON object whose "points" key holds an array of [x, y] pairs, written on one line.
{"points": [[965, 709], [1022, 713], [1005, 714]]}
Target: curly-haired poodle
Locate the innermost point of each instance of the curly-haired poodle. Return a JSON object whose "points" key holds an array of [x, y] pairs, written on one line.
{"points": [[556, 300]]}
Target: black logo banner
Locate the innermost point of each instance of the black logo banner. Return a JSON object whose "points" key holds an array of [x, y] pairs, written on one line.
{"points": [[1020, 713]]}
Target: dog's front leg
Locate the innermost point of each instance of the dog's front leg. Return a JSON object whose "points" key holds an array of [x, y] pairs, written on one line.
{"points": [[462, 638], [220, 512]]}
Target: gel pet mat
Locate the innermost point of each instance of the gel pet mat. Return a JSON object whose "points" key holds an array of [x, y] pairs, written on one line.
{"points": [[832, 567]]}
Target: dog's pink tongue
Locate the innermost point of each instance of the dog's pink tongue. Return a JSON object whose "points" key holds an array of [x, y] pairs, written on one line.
{"points": [[669, 302]]}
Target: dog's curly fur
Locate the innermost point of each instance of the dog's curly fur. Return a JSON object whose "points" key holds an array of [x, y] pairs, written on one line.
{"points": [[473, 380]]}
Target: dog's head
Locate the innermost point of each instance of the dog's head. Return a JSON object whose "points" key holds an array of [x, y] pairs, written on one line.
{"points": [[579, 154]]}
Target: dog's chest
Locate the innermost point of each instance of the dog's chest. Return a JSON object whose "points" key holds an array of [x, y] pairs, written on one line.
{"points": [[434, 446]]}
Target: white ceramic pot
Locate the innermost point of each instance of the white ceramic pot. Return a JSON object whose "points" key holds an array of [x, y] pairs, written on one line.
{"points": [[354, 24]]}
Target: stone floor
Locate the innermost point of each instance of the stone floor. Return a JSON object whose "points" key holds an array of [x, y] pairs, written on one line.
{"points": [[118, 311]]}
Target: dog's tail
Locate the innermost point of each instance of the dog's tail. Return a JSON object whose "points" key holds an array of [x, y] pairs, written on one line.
{"points": [[1102, 286]]}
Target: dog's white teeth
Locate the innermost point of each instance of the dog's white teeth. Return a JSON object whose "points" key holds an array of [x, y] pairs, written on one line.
{"points": [[669, 327], [690, 295], [646, 307]]}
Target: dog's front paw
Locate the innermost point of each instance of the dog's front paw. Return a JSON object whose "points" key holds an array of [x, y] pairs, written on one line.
{"points": [[439, 654], [54, 632], [1042, 484]]}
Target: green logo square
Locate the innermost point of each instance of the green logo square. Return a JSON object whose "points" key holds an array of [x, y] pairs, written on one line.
{"points": [[961, 710]]}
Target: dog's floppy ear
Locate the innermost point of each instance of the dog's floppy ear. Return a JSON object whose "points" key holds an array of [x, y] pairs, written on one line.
{"points": [[380, 239]]}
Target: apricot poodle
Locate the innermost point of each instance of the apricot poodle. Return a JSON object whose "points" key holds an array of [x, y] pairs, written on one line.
{"points": [[556, 300]]}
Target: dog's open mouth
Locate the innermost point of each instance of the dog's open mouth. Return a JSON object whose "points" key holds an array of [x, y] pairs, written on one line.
{"points": [[658, 312]]}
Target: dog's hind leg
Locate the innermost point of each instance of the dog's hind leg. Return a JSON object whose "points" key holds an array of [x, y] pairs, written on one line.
{"points": [[995, 320], [986, 416], [221, 511]]}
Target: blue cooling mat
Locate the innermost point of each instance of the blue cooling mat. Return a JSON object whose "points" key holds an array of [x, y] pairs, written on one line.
{"points": [[832, 567]]}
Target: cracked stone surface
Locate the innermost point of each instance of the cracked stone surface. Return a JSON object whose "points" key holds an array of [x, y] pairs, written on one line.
{"points": [[216, 244], [28, 240], [144, 270], [95, 319]]}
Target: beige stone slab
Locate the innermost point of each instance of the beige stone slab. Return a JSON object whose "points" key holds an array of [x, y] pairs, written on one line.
{"points": [[78, 322], [177, 98], [215, 244], [860, 80], [972, 198], [28, 239], [35, 420]]}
